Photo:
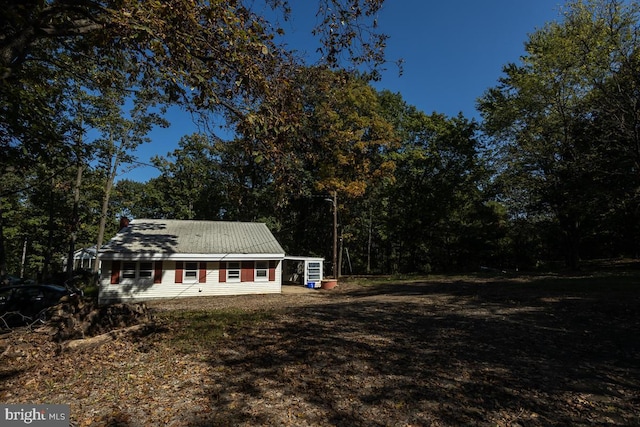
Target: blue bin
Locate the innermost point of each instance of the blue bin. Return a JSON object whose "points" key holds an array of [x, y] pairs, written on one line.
{"points": [[311, 285]]}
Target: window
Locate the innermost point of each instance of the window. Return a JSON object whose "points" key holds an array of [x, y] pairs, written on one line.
{"points": [[262, 271], [146, 270], [233, 272], [314, 271], [133, 270], [129, 270], [190, 271]]}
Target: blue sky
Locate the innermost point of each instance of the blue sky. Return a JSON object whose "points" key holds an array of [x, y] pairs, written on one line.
{"points": [[453, 51]]}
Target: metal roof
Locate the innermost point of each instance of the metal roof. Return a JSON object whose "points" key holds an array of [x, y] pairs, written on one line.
{"points": [[171, 236]]}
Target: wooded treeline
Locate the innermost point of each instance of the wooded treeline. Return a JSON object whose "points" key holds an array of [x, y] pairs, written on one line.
{"points": [[549, 174]]}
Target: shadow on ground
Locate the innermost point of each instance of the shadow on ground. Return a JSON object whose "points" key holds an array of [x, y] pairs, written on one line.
{"points": [[437, 354]]}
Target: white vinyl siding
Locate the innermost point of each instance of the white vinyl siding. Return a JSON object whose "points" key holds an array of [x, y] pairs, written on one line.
{"points": [[169, 289]]}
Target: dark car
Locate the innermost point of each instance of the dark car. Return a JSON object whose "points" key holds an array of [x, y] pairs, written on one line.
{"points": [[31, 300], [10, 280]]}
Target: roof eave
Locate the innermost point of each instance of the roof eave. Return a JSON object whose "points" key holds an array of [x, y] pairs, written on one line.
{"points": [[138, 256]]}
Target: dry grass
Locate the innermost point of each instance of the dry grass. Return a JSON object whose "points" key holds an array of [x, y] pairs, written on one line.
{"points": [[446, 351]]}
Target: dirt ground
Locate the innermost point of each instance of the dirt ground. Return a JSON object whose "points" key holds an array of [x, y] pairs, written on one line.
{"points": [[445, 352]]}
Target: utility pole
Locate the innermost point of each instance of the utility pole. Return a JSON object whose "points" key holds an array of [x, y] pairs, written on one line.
{"points": [[334, 202], [335, 234]]}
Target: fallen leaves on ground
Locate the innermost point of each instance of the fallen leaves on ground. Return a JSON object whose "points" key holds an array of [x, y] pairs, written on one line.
{"points": [[426, 353]]}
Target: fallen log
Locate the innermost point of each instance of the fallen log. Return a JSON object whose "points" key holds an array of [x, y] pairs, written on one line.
{"points": [[101, 339]]}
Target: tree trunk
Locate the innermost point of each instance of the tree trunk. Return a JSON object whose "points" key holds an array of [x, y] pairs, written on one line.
{"points": [[51, 225], [84, 343], [3, 253], [113, 171], [74, 220], [369, 241], [571, 231]]}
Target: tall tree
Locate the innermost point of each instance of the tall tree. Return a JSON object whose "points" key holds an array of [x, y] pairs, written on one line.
{"points": [[120, 135], [220, 58], [433, 210], [34, 130], [615, 125], [542, 112], [335, 144], [212, 56], [184, 35], [188, 177]]}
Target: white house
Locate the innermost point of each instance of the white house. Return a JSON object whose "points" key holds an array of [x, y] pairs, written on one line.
{"points": [[158, 258], [83, 259]]}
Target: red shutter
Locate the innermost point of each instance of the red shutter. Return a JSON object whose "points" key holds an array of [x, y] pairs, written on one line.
{"points": [[202, 278], [223, 272], [178, 271], [248, 268], [157, 272], [115, 272], [272, 270]]}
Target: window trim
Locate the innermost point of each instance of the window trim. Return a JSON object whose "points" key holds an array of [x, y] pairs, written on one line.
{"points": [[190, 275], [149, 272], [261, 267], [127, 272], [234, 271]]}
